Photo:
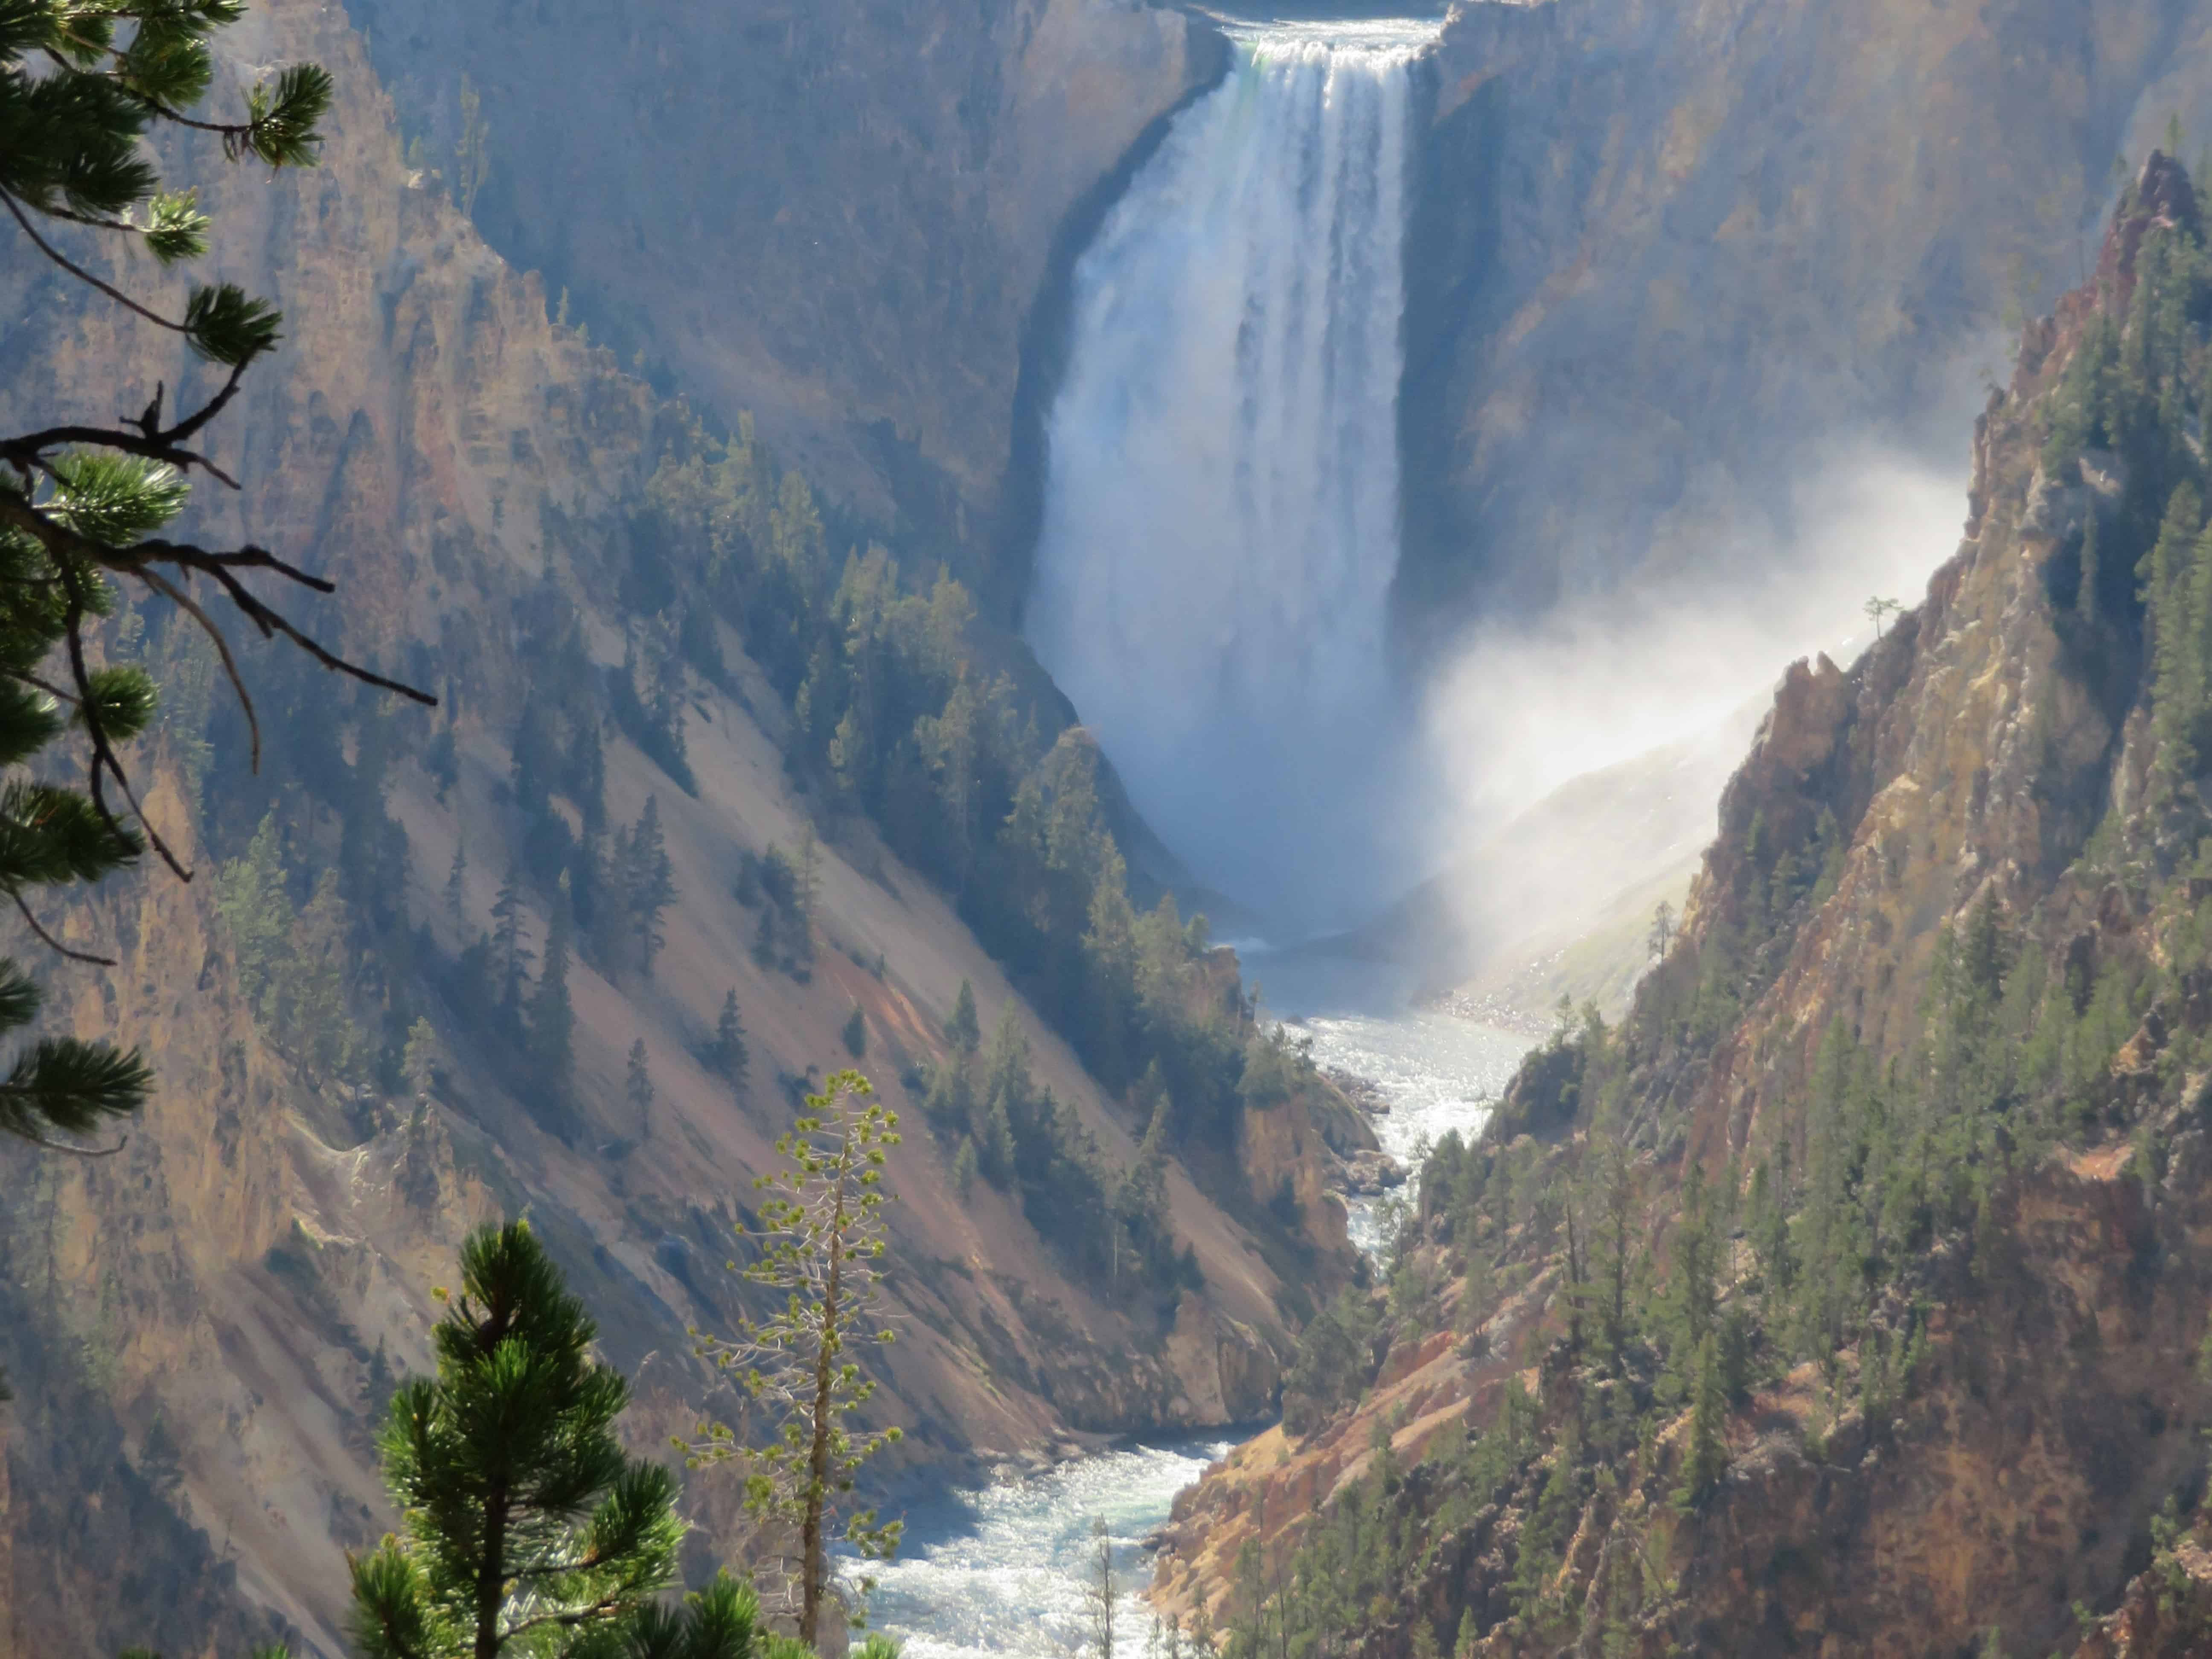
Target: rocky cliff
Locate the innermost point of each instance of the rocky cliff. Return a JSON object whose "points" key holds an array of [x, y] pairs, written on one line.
{"points": [[1670, 263], [1661, 255], [201, 1327], [844, 216], [1850, 1297]]}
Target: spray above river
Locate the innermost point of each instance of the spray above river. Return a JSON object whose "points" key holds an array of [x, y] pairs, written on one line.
{"points": [[1220, 528]]}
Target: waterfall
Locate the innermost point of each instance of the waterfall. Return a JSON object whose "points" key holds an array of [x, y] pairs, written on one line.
{"points": [[1220, 525]]}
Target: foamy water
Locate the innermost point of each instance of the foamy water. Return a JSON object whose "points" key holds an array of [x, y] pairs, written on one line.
{"points": [[999, 1570], [1437, 1071], [1219, 537]]}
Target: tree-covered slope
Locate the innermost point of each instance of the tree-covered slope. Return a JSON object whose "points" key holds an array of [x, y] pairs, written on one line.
{"points": [[1851, 1293], [702, 752], [844, 216]]}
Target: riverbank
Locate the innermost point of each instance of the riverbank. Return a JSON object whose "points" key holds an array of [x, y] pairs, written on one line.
{"points": [[995, 1569]]}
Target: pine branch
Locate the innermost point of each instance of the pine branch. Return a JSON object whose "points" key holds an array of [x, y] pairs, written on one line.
{"points": [[163, 444], [190, 606], [82, 273], [105, 761], [55, 944], [134, 560]]}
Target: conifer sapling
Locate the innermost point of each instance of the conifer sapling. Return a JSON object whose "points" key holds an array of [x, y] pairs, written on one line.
{"points": [[821, 1241], [526, 1529]]}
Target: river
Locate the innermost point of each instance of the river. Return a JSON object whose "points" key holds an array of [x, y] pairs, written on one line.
{"points": [[997, 1572], [1212, 589]]}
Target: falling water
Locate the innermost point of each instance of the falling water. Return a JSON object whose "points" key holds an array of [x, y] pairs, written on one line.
{"points": [[1219, 538], [1221, 505]]}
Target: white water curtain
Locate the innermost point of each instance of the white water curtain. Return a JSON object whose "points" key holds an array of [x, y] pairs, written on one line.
{"points": [[1221, 520]]}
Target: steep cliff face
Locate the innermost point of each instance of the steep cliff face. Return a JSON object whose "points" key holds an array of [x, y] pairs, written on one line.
{"points": [[1669, 261], [201, 1326], [1850, 1297], [840, 216], [1659, 255]]}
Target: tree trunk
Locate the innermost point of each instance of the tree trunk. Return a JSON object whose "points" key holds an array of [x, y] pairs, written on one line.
{"points": [[811, 1565], [491, 1577]]}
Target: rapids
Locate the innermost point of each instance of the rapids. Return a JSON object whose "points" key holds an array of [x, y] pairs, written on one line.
{"points": [[997, 1570]]}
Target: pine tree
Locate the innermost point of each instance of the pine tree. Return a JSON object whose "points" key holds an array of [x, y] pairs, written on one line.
{"points": [[1007, 1100], [525, 1528], [1101, 1590], [809, 893], [470, 163], [855, 1033], [553, 1019], [587, 773], [510, 958], [83, 84], [316, 1022], [1139, 1201], [963, 1030], [723, 1621], [1547, 1530], [637, 1089], [256, 904], [821, 1246], [419, 1061], [2085, 596], [457, 887], [648, 883], [2177, 668], [728, 1056], [1697, 1260], [1614, 1249], [1706, 1458]]}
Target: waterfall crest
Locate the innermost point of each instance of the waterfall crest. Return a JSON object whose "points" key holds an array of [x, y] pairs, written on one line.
{"points": [[1220, 527]]}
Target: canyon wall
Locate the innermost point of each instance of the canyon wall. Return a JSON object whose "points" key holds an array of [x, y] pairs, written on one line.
{"points": [[1668, 264], [1674, 263], [838, 216], [199, 1329], [1918, 1098]]}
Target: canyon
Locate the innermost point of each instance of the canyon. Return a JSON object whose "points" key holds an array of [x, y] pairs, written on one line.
{"points": [[1665, 269], [197, 1325]]}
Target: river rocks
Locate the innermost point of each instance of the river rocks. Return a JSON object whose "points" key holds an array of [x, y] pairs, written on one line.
{"points": [[1371, 1174]]}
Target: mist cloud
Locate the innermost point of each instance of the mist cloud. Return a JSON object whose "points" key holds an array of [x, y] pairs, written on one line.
{"points": [[1681, 663]]}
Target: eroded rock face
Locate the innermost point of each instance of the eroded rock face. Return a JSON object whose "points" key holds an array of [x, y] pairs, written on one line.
{"points": [[1957, 770], [836, 214], [1670, 259], [1665, 259]]}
